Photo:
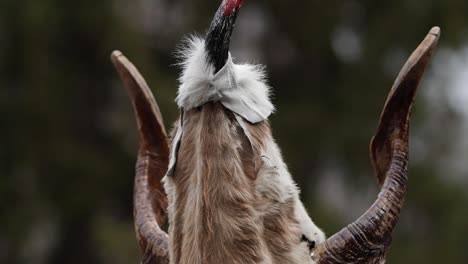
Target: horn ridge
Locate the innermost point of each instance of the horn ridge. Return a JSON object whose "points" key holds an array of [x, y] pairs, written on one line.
{"points": [[367, 239], [150, 201]]}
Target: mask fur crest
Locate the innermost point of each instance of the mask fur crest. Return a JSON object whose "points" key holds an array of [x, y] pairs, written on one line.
{"points": [[242, 88]]}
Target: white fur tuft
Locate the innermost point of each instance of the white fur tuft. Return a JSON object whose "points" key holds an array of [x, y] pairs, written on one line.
{"points": [[196, 73], [242, 88]]}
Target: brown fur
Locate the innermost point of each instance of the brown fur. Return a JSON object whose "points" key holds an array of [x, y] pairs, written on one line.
{"points": [[217, 213]]}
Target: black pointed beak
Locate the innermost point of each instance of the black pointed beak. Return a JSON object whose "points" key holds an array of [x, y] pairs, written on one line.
{"points": [[219, 34]]}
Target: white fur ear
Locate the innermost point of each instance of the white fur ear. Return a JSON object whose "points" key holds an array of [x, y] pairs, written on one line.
{"points": [[196, 74], [241, 88], [249, 97]]}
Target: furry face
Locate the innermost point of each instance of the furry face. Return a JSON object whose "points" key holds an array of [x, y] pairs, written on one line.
{"points": [[230, 194]]}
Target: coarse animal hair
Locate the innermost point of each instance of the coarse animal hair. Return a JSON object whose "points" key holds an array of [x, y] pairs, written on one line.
{"points": [[232, 197]]}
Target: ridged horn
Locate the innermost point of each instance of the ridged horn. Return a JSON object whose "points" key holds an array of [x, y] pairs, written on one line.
{"points": [[150, 201], [219, 35], [367, 239]]}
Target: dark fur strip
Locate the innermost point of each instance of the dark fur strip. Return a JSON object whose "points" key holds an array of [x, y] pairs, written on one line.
{"points": [[367, 239], [150, 201]]}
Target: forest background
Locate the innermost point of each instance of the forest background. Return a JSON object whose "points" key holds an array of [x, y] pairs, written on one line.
{"points": [[68, 136]]}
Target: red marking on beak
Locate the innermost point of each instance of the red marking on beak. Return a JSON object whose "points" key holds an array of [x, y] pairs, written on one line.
{"points": [[231, 6]]}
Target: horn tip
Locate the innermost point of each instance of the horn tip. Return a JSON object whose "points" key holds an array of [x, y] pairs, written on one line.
{"points": [[231, 6], [435, 31], [116, 54]]}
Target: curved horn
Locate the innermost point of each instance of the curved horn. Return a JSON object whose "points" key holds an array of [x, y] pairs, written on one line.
{"points": [[150, 201], [366, 240], [218, 37]]}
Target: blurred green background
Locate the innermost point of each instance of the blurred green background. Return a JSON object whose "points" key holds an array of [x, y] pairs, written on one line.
{"points": [[68, 136]]}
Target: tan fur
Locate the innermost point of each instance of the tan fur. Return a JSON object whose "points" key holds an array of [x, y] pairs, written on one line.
{"points": [[227, 200]]}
